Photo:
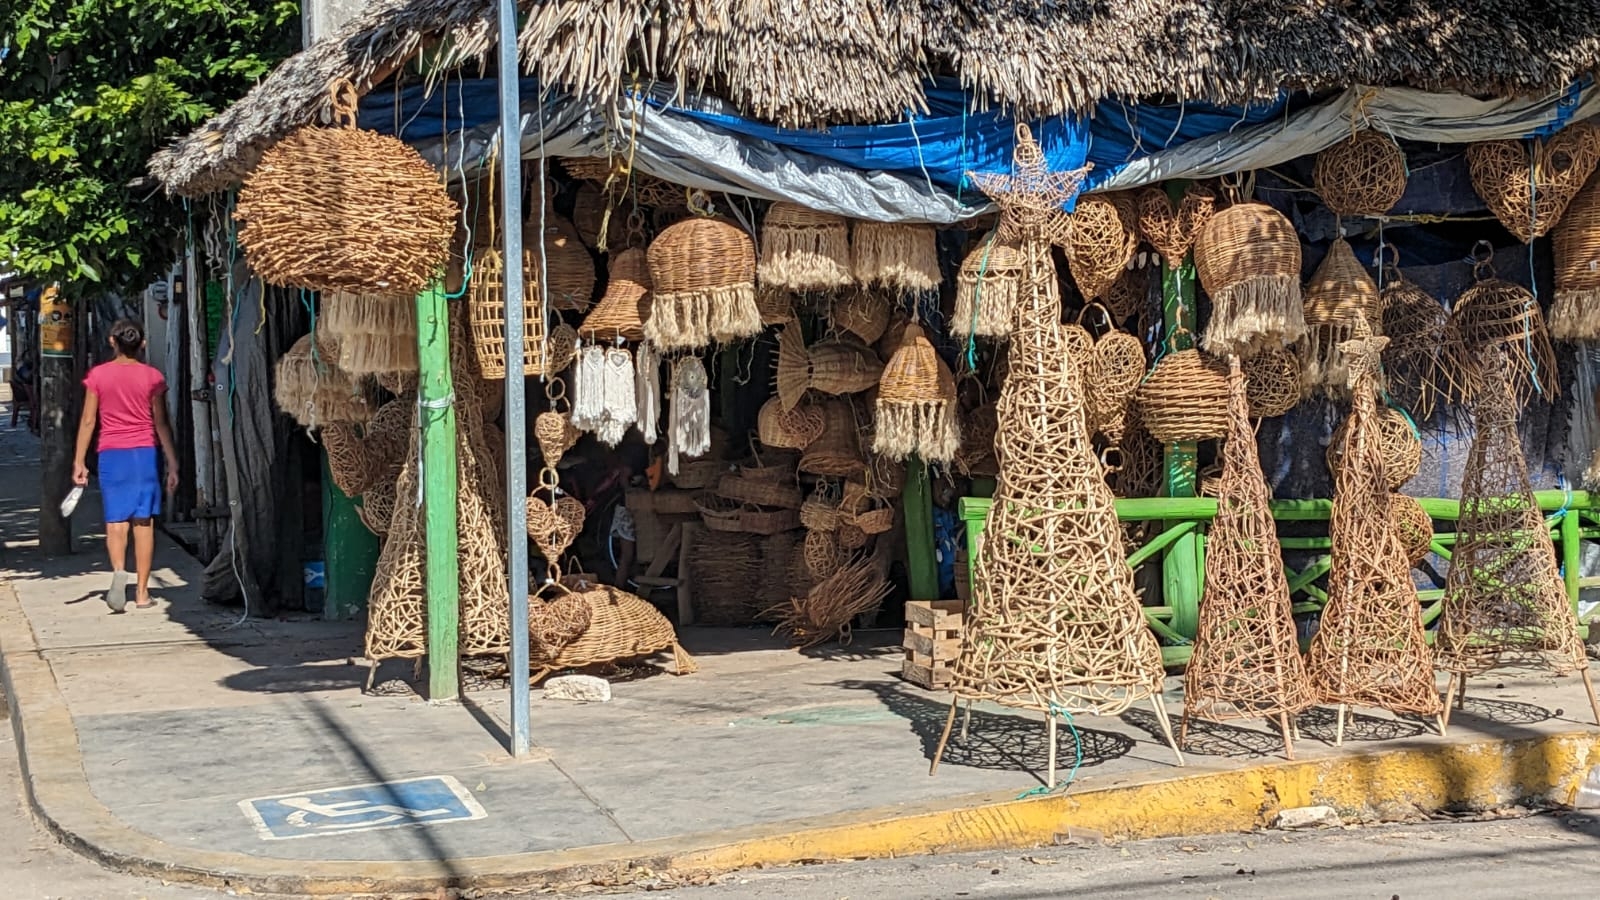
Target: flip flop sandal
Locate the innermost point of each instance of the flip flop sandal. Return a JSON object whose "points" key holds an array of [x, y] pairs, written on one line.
{"points": [[148, 604], [117, 597]]}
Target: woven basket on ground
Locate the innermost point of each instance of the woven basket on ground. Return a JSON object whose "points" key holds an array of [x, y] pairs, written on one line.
{"points": [[898, 257], [917, 404], [622, 626], [1529, 194], [1102, 242], [726, 571], [804, 250], [837, 450], [761, 492], [342, 208], [843, 366], [863, 313], [1173, 231], [1363, 175], [987, 288], [626, 304], [1185, 398], [1272, 382], [1248, 259], [1575, 315], [702, 273], [1397, 438], [1412, 525], [1340, 299]]}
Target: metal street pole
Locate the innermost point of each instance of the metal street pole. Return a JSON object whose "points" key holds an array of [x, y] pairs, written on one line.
{"points": [[516, 429]]}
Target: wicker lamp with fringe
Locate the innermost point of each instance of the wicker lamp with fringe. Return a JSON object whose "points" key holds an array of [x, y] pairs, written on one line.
{"points": [[1529, 193], [377, 333], [1363, 175], [863, 313], [903, 258], [1102, 242], [1173, 231], [804, 250], [1248, 258], [1575, 315], [703, 272], [1185, 398], [626, 304], [311, 388], [987, 288], [1340, 296], [916, 408]]}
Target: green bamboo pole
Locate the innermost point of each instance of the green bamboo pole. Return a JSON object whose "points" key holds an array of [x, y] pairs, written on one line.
{"points": [[922, 570], [442, 567], [349, 553], [1181, 565]]}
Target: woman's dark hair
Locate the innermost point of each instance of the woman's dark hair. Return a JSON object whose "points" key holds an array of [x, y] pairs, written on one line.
{"points": [[127, 335]]}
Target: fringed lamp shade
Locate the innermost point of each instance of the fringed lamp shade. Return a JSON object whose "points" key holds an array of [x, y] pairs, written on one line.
{"points": [[804, 250], [916, 408], [987, 288], [902, 258], [1248, 258], [1575, 316], [703, 273], [1339, 300]]}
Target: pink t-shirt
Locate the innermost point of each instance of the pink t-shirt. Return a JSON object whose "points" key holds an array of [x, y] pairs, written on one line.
{"points": [[125, 391]]}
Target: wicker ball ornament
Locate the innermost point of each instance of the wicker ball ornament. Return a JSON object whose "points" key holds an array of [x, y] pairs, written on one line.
{"points": [[703, 273], [1398, 441], [1413, 526], [1102, 242], [1272, 382], [1363, 175], [1185, 398]]}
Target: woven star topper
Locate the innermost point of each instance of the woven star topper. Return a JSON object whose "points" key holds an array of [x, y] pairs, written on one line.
{"points": [[1365, 352], [1031, 196]]}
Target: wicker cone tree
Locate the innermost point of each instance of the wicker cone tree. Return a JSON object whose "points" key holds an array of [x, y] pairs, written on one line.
{"points": [[1246, 657], [1504, 599], [1055, 625], [1370, 649]]}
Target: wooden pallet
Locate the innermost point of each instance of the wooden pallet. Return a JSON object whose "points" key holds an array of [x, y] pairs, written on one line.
{"points": [[932, 641]]}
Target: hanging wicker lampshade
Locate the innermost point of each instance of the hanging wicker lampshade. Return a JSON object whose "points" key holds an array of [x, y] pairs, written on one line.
{"points": [[1248, 258], [377, 333], [1575, 315], [916, 407], [566, 262], [486, 311], [899, 257], [804, 250], [702, 273], [600, 221], [626, 304], [863, 313], [1185, 398], [1340, 299], [1495, 314], [342, 208], [1363, 175], [987, 288], [1102, 242], [1529, 193], [1173, 231], [311, 388]]}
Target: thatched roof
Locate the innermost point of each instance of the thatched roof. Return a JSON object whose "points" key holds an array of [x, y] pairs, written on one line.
{"points": [[819, 62]]}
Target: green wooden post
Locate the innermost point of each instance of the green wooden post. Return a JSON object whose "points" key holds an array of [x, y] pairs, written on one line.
{"points": [[1181, 564], [349, 553], [922, 570], [442, 567], [1572, 556]]}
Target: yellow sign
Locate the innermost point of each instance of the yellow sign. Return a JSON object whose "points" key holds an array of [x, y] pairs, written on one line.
{"points": [[55, 323]]}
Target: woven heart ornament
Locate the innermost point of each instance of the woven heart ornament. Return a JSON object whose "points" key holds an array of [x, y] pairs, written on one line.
{"points": [[1528, 193], [552, 533], [556, 435]]}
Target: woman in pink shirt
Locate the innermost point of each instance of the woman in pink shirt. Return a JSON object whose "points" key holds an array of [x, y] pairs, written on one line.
{"points": [[128, 399]]}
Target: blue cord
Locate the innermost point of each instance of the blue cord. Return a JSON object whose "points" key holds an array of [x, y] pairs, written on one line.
{"points": [[977, 297], [1077, 757]]}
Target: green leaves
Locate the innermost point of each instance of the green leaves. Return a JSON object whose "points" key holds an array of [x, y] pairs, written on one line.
{"points": [[88, 90]]}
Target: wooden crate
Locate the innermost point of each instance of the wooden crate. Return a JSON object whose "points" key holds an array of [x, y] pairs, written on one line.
{"points": [[932, 641]]}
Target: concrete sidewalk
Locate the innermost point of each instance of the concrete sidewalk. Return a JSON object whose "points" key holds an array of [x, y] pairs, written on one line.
{"points": [[145, 735]]}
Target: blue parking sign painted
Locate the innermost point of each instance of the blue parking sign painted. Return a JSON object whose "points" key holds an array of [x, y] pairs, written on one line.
{"points": [[362, 807]]}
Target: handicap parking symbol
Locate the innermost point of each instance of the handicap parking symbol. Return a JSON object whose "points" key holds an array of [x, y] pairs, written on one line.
{"points": [[362, 807]]}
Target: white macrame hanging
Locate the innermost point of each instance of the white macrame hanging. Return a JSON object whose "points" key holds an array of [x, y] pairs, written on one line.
{"points": [[589, 388], [647, 391], [689, 412], [619, 408]]}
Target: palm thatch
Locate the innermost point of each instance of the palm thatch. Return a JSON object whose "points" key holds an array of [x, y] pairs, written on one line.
{"points": [[811, 63]]}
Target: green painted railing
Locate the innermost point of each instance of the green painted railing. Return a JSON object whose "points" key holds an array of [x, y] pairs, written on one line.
{"points": [[1573, 518]]}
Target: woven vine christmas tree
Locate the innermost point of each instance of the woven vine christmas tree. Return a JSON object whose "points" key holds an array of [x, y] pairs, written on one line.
{"points": [[1370, 649], [1504, 599], [1056, 624], [1246, 656]]}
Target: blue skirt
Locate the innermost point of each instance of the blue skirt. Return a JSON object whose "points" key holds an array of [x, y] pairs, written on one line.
{"points": [[130, 484]]}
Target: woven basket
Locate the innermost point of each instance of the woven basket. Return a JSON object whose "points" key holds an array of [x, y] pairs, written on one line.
{"points": [[851, 537], [1413, 525], [1272, 382], [788, 429], [863, 313], [987, 288], [1398, 440], [843, 366], [1248, 259], [1173, 231], [759, 492], [820, 512], [776, 305], [876, 521], [1363, 175], [341, 208], [804, 250], [622, 626], [837, 450], [486, 309], [1529, 194], [1575, 315], [626, 304], [1102, 242], [696, 474], [718, 513], [768, 521], [702, 273], [822, 553], [1185, 398], [898, 257]]}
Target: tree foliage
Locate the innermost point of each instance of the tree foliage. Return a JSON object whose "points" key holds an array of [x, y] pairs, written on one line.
{"points": [[88, 90]]}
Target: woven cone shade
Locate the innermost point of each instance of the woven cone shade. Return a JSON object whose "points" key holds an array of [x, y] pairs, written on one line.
{"points": [[1102, 242], [1575, 315], [1530, 195], [1363, 175], [916, 408], [794, 367], [1248, 258], [1499, 315], [702, 273], [626, 304], [843, 366], [903, 258], [987, 288], [1340, 297], [804, 250]]}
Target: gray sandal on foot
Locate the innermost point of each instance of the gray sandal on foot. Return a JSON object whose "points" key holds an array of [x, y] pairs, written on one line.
{"points": [[117, 597]]}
